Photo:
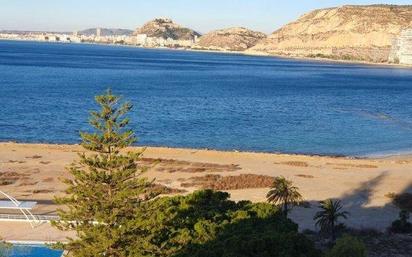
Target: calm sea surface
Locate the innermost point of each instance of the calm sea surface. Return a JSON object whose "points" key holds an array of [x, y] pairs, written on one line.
{"points": [[206, 100]]}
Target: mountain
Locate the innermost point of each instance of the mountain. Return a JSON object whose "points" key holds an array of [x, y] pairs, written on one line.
{"points": [[166, 28], [349, 32], [106, 32], [231, 39]]}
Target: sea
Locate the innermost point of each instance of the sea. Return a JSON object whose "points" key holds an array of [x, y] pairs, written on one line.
{"points": [[207, 100]]}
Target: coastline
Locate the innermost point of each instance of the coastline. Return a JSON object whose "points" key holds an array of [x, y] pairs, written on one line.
{"points": [[245, 53], [361, 183], [391, 154]]}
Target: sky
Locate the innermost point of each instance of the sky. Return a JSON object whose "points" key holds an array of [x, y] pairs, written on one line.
{"points": [[200, 15]]}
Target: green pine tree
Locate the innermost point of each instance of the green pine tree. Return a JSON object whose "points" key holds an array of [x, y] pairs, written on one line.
{"points": [[106, 189]]}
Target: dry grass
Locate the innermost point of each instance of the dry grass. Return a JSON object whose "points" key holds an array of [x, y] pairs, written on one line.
{"points": [[218, 182], [385, 245], [172, 166], [28, 183], [41, 191], [362, 166], [11, 177], [14, 161], [378, 244], [294, 163], [304, 176], [165, 190], [34, 157], [4, 182]]}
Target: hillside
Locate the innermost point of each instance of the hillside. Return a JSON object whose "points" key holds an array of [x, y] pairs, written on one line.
{"points": [[349, 32], [106, 32], [231, 39], [166, 28]]}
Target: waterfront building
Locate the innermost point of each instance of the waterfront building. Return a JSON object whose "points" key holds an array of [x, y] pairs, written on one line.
{"points": [[402, 48]]}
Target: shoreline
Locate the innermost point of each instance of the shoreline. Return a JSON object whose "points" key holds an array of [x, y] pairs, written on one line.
{"points": [[245, 53], [395, 154]]}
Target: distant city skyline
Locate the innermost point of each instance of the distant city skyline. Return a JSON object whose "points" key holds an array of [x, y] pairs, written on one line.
{"points": [[261, 15]]}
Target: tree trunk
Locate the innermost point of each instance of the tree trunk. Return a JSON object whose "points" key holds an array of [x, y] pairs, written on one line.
{"points": [[285, 209], [333, 232]]}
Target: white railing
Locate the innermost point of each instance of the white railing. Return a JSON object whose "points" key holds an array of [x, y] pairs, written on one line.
{"points": [[23, 217], [26, 212]]}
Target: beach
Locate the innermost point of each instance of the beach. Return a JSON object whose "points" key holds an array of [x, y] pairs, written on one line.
{"points": [[363, 184]]}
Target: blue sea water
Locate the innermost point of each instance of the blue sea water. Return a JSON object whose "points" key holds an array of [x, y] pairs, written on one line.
{"points": [[33, 251], [207, 100]]}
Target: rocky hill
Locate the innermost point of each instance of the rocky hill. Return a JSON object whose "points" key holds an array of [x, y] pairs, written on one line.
{"points": [[348, 32], [231, 39], [106, 32], [166, 28]]}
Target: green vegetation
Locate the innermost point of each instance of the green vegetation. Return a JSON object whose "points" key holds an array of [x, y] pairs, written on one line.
{"points": [[348, 246], [4, 249], [106, 189], [206, 223], [114, 212], [402, 201], [283, 192], [402, 225], [328, 217]]}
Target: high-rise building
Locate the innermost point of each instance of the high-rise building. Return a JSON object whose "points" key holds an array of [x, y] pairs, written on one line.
{"points": [[402, 48], [98, 32]]}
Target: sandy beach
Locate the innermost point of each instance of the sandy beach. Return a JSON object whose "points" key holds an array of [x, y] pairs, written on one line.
{"points": [[33, 171]]}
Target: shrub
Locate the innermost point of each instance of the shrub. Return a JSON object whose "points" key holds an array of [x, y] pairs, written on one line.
{"points": [[4, 249], [206, 223], [403, 201], [348, 246], [402, 225]]}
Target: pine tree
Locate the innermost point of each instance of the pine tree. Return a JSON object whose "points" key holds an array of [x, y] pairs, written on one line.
{"points": [[106, 188]]}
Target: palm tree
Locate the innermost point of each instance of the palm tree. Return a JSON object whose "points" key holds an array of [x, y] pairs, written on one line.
{"points": [[327, 218], [283, 192]]}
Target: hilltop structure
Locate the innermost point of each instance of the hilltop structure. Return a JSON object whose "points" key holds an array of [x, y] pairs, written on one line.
{"points": [[162, 32]]}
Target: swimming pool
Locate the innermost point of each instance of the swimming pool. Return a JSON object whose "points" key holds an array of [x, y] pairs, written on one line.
{"points": [[33, 251]]}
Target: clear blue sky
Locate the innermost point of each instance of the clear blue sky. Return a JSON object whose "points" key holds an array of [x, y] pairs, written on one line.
{"points": [[201, 15]]}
